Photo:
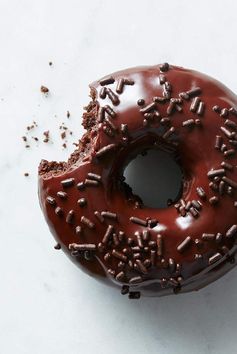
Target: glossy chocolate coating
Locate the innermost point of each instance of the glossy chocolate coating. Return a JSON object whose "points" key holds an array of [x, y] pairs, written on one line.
{"points": [[196, 154]]}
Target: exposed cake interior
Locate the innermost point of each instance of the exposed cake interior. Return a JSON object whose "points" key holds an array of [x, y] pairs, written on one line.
{"points": [[48, 168]]}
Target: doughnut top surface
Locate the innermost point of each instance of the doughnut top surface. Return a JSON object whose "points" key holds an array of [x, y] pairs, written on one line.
{"points": [[107, 230]]}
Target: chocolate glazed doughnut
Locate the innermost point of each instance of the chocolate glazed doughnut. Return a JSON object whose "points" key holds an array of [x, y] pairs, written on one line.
{"points": [[107, 230]]}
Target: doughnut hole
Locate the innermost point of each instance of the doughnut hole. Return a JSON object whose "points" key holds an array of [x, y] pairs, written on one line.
{"points": [[155, 177]]}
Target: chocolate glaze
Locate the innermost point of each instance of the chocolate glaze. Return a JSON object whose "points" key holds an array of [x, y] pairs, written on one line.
{"points": [[173, 269]]}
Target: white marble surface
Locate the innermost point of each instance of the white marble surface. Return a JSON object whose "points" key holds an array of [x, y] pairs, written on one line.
{"points": [[47, 306]]}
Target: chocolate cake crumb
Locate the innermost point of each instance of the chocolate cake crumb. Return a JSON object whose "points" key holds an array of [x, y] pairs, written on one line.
{"points": [[26, 174], [63, 135], [46, 134], [89, 117], [68, 114], [44, 89]]}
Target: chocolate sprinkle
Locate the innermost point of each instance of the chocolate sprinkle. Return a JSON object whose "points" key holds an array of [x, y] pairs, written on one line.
{"points": [[107, 81], [110, 111], [128, 82], [170, 108], [159, 242], [184, 95], [216, 257], [162, 79], [153, 257], [110, 124], [216, 109], [70, 217], [109, 215], [229, 153], [194, 92], [182, 211], [104, 150], [159, 99], [82, 202], [103, 93], [141, 102], [226, 131], [227, 166], [57, 246], [231, 231], [141, 266], [221, 187], [231, 124], [119, 255], [51, 201], [120, 276], [139, 239], [82, 247], [135, 280], [233, 111], [108, 131], [219, 237], [134, 295], [111, 272], [120, 85], [113, 97], [195, 104], [184, 244], [99, 216], [223, 147], [108, 234], [188, 123], [138, 221], [229, 181], [94, 176], [145, 235], [59, 211], [196, 204], [62, 195], [116, 240], [68, 182], [125, 289], [224, 112], [148, 108], [91, 183], [171, 264], [168, 133], [80, 185], [214, 173], [201, 108], [164, 67], [87, 222], [201, 193], [194, 212], [165, 120], [208, 237], [101, 114], [213, 200]]}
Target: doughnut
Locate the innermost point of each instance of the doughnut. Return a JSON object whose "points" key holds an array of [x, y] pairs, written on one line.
{"points": [[105, 228]]}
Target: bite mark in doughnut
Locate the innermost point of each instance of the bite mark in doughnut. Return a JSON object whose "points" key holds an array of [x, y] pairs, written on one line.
{"points": [[104, 228]]}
